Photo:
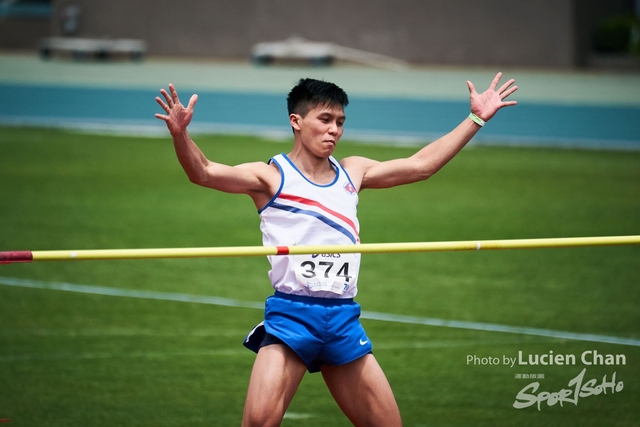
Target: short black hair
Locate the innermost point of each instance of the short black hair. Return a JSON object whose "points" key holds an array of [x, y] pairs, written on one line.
{"points": [[309, 93]]}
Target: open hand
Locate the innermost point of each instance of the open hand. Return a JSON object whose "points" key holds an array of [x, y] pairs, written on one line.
{"points": [[485, 105], [178, 117]]}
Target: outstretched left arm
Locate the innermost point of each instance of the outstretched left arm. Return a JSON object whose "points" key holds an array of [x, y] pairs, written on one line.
{"points": [[429, 160]]}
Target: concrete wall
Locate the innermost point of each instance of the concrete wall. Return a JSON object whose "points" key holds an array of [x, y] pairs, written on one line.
{"points": [[541, 33], [23, 33]]}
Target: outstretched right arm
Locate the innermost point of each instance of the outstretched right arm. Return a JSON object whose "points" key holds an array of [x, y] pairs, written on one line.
{"points": [[258, 180]]}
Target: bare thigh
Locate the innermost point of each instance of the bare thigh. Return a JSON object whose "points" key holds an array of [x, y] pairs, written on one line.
{"points": [[275, 377], [363, 393]]}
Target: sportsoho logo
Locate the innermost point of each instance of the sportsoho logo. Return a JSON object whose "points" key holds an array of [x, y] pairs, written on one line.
{"points": [[579, 387]]}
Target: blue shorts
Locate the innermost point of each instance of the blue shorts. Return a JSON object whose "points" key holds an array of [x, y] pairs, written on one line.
{"points": [[320, 330]]}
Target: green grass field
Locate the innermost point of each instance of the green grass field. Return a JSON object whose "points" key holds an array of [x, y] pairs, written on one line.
{"points": [[78, 359]]}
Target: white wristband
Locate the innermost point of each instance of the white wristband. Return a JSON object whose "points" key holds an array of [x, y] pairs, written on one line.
{"points": [[476, 119]]}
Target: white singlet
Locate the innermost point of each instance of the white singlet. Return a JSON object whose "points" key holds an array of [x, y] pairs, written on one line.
{"points": [[305, 213]]}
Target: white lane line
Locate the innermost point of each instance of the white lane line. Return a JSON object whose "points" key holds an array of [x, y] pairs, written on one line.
{"points": [[297, 415], [131, 293], [235, 353], [493, 327], [371, 315]]}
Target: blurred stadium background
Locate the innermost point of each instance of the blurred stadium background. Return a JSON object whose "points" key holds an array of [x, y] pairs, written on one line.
{"points": [[84, 164], [576, 64]]}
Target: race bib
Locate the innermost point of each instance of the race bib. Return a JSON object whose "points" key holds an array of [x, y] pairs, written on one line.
{"points": [[326, 272]]}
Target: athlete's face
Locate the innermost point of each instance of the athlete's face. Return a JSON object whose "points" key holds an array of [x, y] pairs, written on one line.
{"points": [[321, 129]]}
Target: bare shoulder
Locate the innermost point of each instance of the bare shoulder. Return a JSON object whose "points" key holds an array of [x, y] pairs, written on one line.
{"points": [[357, 162], [259, 167], [357, 167], [263, 172], [265, 181]]}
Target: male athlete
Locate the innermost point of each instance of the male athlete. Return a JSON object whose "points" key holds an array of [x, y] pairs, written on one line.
{"points": [[307, 197]]}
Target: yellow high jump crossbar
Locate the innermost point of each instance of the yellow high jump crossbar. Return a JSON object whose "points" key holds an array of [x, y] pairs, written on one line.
{"points": [[245, 251]]}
